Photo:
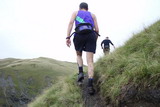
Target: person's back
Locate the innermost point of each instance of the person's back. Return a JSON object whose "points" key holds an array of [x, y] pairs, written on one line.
{"points": [[84, 17], [105, 44], [84, 41]]}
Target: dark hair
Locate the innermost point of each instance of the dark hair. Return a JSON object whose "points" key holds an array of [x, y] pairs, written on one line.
{"points": [[83, 5]]}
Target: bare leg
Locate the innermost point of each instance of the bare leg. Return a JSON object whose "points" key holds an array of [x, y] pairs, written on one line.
{"points": [[89, 56], [80, 67], [106, 51], [79, 59]]}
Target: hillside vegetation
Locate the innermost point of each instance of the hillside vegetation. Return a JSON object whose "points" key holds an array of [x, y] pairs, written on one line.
{"points": [[65, 93], [21, 80], [131, 74]]}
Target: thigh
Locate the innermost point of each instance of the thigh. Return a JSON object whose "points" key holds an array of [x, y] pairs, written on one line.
{"points": [[78, 43], [79, 53], [106, 50], [90, 45]]}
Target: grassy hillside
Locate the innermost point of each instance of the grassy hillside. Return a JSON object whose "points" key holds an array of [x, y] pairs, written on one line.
{"points": [[23, 79], [63, 94], [131, 74]]}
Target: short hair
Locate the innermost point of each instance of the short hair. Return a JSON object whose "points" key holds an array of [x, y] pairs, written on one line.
{"points": [[83, 5]]}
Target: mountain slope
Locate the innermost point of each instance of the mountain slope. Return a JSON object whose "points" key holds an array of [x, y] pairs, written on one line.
{"points": [[23, 79], [130, 76]]}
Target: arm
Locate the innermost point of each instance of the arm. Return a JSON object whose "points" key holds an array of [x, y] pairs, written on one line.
{"points": [[112, 44], [71, 22], [102, 44], [70, 25], [95, 23]]}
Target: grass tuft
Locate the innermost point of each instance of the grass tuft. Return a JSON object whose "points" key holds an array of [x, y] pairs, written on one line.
{"points": [[136, 64]]}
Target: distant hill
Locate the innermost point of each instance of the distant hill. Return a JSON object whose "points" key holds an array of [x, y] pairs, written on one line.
{"points": [[21, 80], [130, 76]]}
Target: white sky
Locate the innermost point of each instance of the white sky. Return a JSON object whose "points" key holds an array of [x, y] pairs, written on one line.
{"points": [[35, 28]]}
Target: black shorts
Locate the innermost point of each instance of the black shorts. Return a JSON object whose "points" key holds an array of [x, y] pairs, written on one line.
{"points": [[85, 42]]}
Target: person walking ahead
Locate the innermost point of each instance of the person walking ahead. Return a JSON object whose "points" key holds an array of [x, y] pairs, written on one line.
{"points": [[85, 41], [105, 45]]}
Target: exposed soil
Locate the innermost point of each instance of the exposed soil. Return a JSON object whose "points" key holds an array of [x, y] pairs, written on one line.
{"points": [[128, 98], [132, 97]]}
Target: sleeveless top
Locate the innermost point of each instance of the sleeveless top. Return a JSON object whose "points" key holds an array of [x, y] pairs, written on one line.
{"points": [[84, 17]]}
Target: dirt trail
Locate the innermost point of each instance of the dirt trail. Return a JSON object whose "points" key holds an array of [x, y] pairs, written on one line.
{"points": [[91, 100], [97, 101]]}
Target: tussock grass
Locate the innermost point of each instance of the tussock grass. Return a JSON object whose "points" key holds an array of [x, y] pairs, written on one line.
{"points": [[137, 64]]}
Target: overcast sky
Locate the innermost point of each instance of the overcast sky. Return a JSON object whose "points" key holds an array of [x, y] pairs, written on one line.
{"points": [[37, 28]]}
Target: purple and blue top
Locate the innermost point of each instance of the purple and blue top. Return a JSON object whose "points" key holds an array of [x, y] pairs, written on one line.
{"points": [[84, 17]]}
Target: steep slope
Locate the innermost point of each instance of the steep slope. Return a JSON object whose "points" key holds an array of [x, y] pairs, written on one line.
{"points": [[130, 76], [23, 79]]}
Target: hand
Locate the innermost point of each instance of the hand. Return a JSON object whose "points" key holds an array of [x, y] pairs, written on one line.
{"points": [[68, 42]]}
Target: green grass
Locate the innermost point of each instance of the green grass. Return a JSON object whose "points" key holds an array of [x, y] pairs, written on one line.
{"points": [[137, 64], [31, 76], [63, 94]]}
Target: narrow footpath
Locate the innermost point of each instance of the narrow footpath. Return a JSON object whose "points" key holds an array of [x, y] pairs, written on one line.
{"points": [[91, 100]]}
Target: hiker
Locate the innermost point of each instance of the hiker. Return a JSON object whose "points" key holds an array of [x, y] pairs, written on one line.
{"points": [[84, 41], [105, 45]]}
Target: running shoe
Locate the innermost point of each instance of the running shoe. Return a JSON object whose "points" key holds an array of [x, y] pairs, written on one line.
{"points": [[80, 77], [91, 90]]}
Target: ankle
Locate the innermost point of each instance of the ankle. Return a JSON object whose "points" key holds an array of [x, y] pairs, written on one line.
{"points": [[90, 82], [80, 72], [80, 69]]}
